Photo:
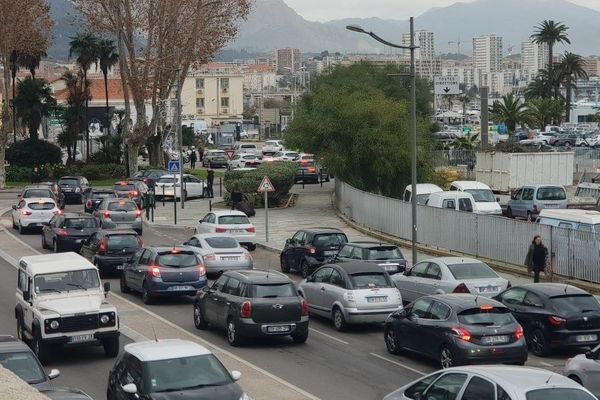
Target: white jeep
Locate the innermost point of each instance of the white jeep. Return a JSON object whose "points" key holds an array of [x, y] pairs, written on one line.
{"points": [[60, 302]]}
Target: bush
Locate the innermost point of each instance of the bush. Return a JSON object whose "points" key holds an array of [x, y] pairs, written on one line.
{"points": [[30, 152], [281, 174], [14, 173], [95, 172]]}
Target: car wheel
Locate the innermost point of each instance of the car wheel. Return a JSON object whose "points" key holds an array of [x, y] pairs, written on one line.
{"points": [[233, 337], [55, 246], [284, 267], [575, 378], [300, 337], [44, 244], [529, 217], [21, 229], [14, 226], [111, 346], [567, 144], [199, 319], [40, 349], [252, 247], [339, 322], [304, 269], [446, 357], [123, 285], [146, 295], [509, 213], [538, 344], [20, 328], [391, 341]]}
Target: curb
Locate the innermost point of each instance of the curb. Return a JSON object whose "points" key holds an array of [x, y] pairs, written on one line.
{"points": [[268, 248]]}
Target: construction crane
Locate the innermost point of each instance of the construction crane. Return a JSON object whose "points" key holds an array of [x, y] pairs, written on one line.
{"points": [[509, 50], [457, 43]]}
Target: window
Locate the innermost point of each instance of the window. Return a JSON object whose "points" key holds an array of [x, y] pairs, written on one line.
{"points": [[575, 304], [322, 275], [415, 391], [514, 296], [419, 270], [336, 279], [219, 283], [484, 195], [565, 225], [225, 83], [24, 365], [224, 101], [516, 195], [384, 253], [558, 394], [37, 193], [407, 195], [274, 290], [199, 102], [346, 252], [370, 280], [122, 206], [132, 372], [147, 258], [232, 287], [495, 316], [449, 203], [138, 255], [22, 281], [80, 223], [434, 272], [194, 242], [477, 270], [199, 83], [330, 239], [533, 300], [234, 220], [222, 242], [357, 253], [528, 193], [177, 260], [502, 395], [551, 193], [41, 205], [479, 389], [439, 311], [121, 242], [420, 307], [67, 281], [465, 205], [447, 387], [123, 187]]}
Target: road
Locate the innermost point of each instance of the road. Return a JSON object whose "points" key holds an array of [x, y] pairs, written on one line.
{"points": [[331, 365]]}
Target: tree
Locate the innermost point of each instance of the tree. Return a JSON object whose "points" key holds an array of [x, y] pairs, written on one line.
{"points": [[550, 33], [108, 57], [543, 85], [73, 115], [466, 142], [511, 111], [571, 69], [33, 102], [543, 111], [31, 60]]}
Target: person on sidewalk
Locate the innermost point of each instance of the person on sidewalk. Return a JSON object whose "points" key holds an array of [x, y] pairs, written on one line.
{"points": [[193, 158], [35, 175], [210, 178], [237, 196], [536, 258]]}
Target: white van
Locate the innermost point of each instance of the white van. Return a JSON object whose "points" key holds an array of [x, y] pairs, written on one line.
{"points": [[460, 201], [485, 201], [582, 220], [423, 192]]}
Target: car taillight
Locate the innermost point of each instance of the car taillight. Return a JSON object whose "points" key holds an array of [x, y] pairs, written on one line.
{"points": [[103, 246], [77, 190], [246, 309], [509, 285], [304, 306], [312, 169], [556, 321], [106, 214], [519, 332], [26, 212], [138, 213], [220, 230], [349, 296], [252, 229], [154, 272], [88, 204], [462, 334], [210, 257], [312, 250], [201, 270], [62, 232], [133, 193], [462, 288], [247, 256]]}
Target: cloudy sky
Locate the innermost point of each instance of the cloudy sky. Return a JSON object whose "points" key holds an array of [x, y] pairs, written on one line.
{"points": [[325, 10]]}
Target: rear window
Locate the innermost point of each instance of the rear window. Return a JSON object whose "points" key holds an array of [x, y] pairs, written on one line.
{"points": [[485, 316], [177, 260], [69, 182], [551, 193], [44, 205], [37, 193], [369, 280], [233, 220], [471, 271], [117, 242], [218, 153], [558, 394], [81, 223], [166, 180], [330, 239], [103, 195], [276, 290], [384, 253], [222, 242], [575, 303], [248, 146], [122, 188], [122, 206]]}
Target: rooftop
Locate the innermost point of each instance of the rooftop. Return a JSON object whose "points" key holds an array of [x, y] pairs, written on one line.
{"points": [[61, 262], [165, 349]]}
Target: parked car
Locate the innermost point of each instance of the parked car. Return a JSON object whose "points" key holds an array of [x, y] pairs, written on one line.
{"points": [[310, 171], [119, 214], [387, 256], [460, 201], [45, 191], [272, 146], [585, 369], [527, 201], [214, 158], [351, 293], [169, 186], [457, 329], [582, 220], [16, 357], [564, 140], [220, 252], [233, 222], [132, 190], [484, 197], [33, 213], [253, 304], [306, 157], [310, 248], [148, 176], [94, 196], [171, 369], [241, 160], [163, 271], [424, 190], [490, 382], [66, 232], [286, 156], [109, 250], [554, 315], [449, 275], [58, 194], [73, 188], [247, 148]]}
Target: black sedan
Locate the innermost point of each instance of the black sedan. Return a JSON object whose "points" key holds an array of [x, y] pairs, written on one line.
{"points": [[554, 315], [110, 250], [457, 329], [93, 197], [67, 231]]}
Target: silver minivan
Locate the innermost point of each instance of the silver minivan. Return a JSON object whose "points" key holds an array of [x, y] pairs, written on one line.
{"points": [[529, 200]]}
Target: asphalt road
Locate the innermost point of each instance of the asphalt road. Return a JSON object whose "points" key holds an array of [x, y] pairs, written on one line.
{"points": [[331, 365]]}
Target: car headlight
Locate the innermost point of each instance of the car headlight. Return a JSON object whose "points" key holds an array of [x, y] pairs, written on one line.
{"points": [[107, 319], [54, 324], [104, 319]]}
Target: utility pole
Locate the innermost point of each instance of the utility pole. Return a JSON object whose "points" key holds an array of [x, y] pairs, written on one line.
{"points": [[179, 137], [484, 93]]}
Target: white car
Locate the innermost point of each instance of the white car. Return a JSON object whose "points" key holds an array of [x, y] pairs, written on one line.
{"points": [[169, 186], [33, 213], [286, 156], [585, 370], [247, 148], [236, 223], [593, 140], [492, 382], [220, 252], [272, 147], [243, 160]]}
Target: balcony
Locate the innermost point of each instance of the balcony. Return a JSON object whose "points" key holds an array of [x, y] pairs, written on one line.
{"points": [[200, 91], [199, 111], [225, 110]]}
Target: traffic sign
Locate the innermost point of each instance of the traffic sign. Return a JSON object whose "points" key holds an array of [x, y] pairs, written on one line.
{"points": [[174, 166], [266, 185], [229, 154], [446, 85]]}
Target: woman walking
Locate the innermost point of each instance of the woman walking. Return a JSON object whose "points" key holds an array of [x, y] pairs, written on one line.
{"points": [[536, 258], [237, 196]]}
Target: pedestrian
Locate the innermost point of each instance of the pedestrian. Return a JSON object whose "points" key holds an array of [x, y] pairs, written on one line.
{"points": [[237, 196], [210, 178], [193, 158], [537, 258], [35, 175]]}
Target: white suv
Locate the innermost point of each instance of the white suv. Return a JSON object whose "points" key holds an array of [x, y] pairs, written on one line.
{"points": [[60, 302], [272, 147]]}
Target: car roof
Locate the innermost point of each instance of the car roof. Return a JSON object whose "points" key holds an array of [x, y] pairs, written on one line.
{"points": [[357, 267], [553, 289], [30, 200], [110, 232], [77, 215], [165, 349], [368, 244], [163, 249], [210, 235], [317, 231], [60, 262], [259, 276], [454, 260], [572, 215], [464, 301], [102, 191], [10, 344], [220, 213], [424, 188], [539, 185], [470, 185], [117, 200], [38, 186], [70, 177]]}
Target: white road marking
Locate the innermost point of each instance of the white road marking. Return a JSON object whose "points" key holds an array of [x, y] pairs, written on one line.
{"points": [[545, 364], [328, 336], [416, 371]]}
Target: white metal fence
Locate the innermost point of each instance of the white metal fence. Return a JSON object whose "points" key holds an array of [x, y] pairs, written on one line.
{"points": [[575, 254]]}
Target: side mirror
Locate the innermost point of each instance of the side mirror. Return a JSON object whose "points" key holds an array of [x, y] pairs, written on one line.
{"points": [[199, 221], [106, 287], [288, 241], [26, 296], [14, 207], [130, 388], [236, 375], [186, 243], [54, 373], [590, 355]]}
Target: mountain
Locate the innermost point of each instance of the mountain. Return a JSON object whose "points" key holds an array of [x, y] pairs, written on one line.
{"points": [[63, 15]]}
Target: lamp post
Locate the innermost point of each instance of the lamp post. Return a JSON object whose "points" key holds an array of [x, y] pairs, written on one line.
{"points": [[413, 122]]}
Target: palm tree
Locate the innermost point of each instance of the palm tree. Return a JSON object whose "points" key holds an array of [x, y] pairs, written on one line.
{"points": [[543, 85], [74, 113], [108, 57], [85, 47], [511, 111], [31, 61], [33, 102], [550, 33], [467, 142], [544, 111], [571, 68]]}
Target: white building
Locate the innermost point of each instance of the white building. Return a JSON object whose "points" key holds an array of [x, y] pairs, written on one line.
{"points": [[425, 41], [534, 57], [258, 77], [487, 53]]}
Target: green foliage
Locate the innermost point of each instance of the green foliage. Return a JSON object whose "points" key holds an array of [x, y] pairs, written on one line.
{"points": [[511, 111], [33, 102], [187, 135], [550, 33], [110, 150], [30, 152], [15, 173], [357, 121], [101, 171], [281, 174], [544, 110], [466, 142]]}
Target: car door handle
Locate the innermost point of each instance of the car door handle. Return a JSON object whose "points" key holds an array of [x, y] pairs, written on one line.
{"points": [[322, 288]]}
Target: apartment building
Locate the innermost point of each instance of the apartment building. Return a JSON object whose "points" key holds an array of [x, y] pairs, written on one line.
{"points": [[534, 57], [487, 53], [258, 77], [426, 42], [288, 61]]}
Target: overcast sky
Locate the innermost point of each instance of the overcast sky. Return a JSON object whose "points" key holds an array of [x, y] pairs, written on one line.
{"points": [[325, 10]]}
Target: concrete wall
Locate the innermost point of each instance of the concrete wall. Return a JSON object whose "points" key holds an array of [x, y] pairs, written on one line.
{"points": [[13, 388]]}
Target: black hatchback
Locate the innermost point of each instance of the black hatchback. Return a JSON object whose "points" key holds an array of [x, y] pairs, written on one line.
{"points": [[66, 232], [387, 256], [457, 329], [110, 250], [554, 315], [73, 187]]}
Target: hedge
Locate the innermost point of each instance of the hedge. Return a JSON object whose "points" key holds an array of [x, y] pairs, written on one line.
{"points": [[30, 152], [281, 174], [93, 172]]}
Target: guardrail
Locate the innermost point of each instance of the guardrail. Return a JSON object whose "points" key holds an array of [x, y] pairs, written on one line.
{"points": [[575, 254]]}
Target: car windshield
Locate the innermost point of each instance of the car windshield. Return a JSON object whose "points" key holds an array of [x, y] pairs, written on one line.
{"points": [[80, 223], [68, 182], [558, 394], [37, 193], [122, 188], [41, 205], [330, 239], [369, 280], [176, 259], [422, 198], [24, 365], [571, 304], [273, 290], [222, 242], [471, 271], [103, 195], [234, 220], [66, 281], [119, 242], [384, 253], [482, 195], [551, 193], [486, 315], [122, 206], [166, 180], [185, 373]]}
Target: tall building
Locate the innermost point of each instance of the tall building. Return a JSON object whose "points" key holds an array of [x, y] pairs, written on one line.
{"points": [[425, 41], [288, 61], [534, 57], [487, 53]]}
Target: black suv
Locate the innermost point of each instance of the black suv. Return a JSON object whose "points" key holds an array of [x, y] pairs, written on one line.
{"points": [[149, 176], [387, 256], [310, 248], [73, 188], [253, 304], [93, 197], [110, 250]]}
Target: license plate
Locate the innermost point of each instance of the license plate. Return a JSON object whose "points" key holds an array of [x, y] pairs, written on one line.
{"points": [[236, 231], [586, 338], [180, 288], [329, 252], [283, 328], [81, 338], [487, 289], [390, 267], [379, 299], [495, 339], [230, 258], [120, 267], [551, 205]]}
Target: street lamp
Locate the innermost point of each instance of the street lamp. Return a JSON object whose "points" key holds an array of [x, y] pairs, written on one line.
{"points": [[413, 125]]}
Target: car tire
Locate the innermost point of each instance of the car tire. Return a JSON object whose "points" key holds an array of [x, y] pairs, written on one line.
{"points": [[199, 319], [509, 213], [538, 343], [111, 346], [123, 285], [339, 322], [391, 341], [252, 247], [567, 144], [21, 229], [447, 358], [14, 226], [575, 378], [55, 247], [283, 263], [300, 337], [233, 337], [44, 244], [304, 269], [146, 295], [40, 349], [20, 328]]}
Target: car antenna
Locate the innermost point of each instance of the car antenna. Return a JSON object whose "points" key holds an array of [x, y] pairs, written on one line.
{"points": [[476, 297], [154, 331], [550, 377], [566, 287]]}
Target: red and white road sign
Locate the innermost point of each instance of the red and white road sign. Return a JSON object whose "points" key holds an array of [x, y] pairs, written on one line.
{"points": [[266, 185]]}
